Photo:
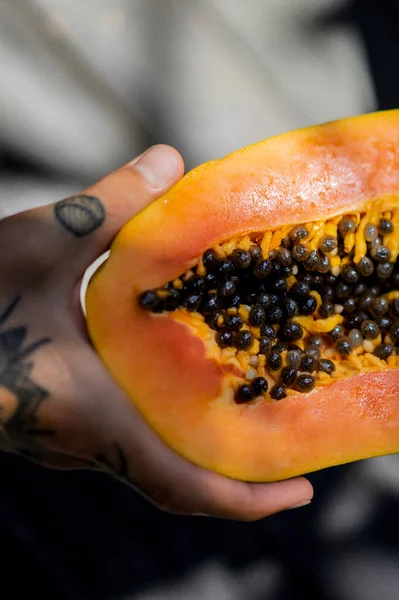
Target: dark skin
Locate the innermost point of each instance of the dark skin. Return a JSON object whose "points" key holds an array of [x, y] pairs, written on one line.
{"points": [[59, 406]]}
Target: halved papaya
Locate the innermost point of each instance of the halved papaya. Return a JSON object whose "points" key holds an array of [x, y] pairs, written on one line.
{"points": [[252, 313]]}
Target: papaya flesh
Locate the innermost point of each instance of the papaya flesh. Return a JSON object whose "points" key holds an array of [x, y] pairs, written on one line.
{"points": [[252, 312]]}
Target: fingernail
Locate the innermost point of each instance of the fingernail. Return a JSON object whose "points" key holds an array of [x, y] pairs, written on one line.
{"points": [[299, 504], [158, 166]]}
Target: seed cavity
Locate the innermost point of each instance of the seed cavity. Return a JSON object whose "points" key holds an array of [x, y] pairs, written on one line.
{"points": [[296, 308]]}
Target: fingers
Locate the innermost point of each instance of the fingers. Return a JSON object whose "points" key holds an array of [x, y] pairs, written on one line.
{"points": [[228, 499], [187, 489], [174, 484], [93, 420], [210, 494], [73, 232]]}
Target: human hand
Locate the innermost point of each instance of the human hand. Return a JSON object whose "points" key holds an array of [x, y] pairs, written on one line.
{"points": [[59, 406]]}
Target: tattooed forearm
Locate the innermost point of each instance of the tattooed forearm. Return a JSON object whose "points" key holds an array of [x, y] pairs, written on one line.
{"points": [[80, 214], [18, 419]]}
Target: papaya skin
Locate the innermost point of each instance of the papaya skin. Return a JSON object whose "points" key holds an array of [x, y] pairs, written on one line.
{"points": [[173, 377]]}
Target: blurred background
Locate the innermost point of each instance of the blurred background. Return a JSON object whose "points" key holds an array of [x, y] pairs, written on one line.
{"points": [[85, 85]]}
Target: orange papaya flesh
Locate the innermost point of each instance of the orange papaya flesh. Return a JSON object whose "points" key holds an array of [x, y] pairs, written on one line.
{"points": [[294, 370]]}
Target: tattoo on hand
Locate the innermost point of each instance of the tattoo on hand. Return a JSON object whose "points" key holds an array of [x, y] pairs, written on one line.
{"points": [[20, 423], [15, 376], [80, 215]]}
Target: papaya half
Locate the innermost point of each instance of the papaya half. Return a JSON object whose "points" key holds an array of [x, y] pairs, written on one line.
{"points": [[252, 312]]}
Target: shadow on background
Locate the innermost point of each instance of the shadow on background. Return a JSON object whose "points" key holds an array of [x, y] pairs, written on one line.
{"points": [[82, 535]]}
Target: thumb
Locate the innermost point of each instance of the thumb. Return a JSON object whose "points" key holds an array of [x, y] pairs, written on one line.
{"points": [[73, 232], [88, 222]]}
